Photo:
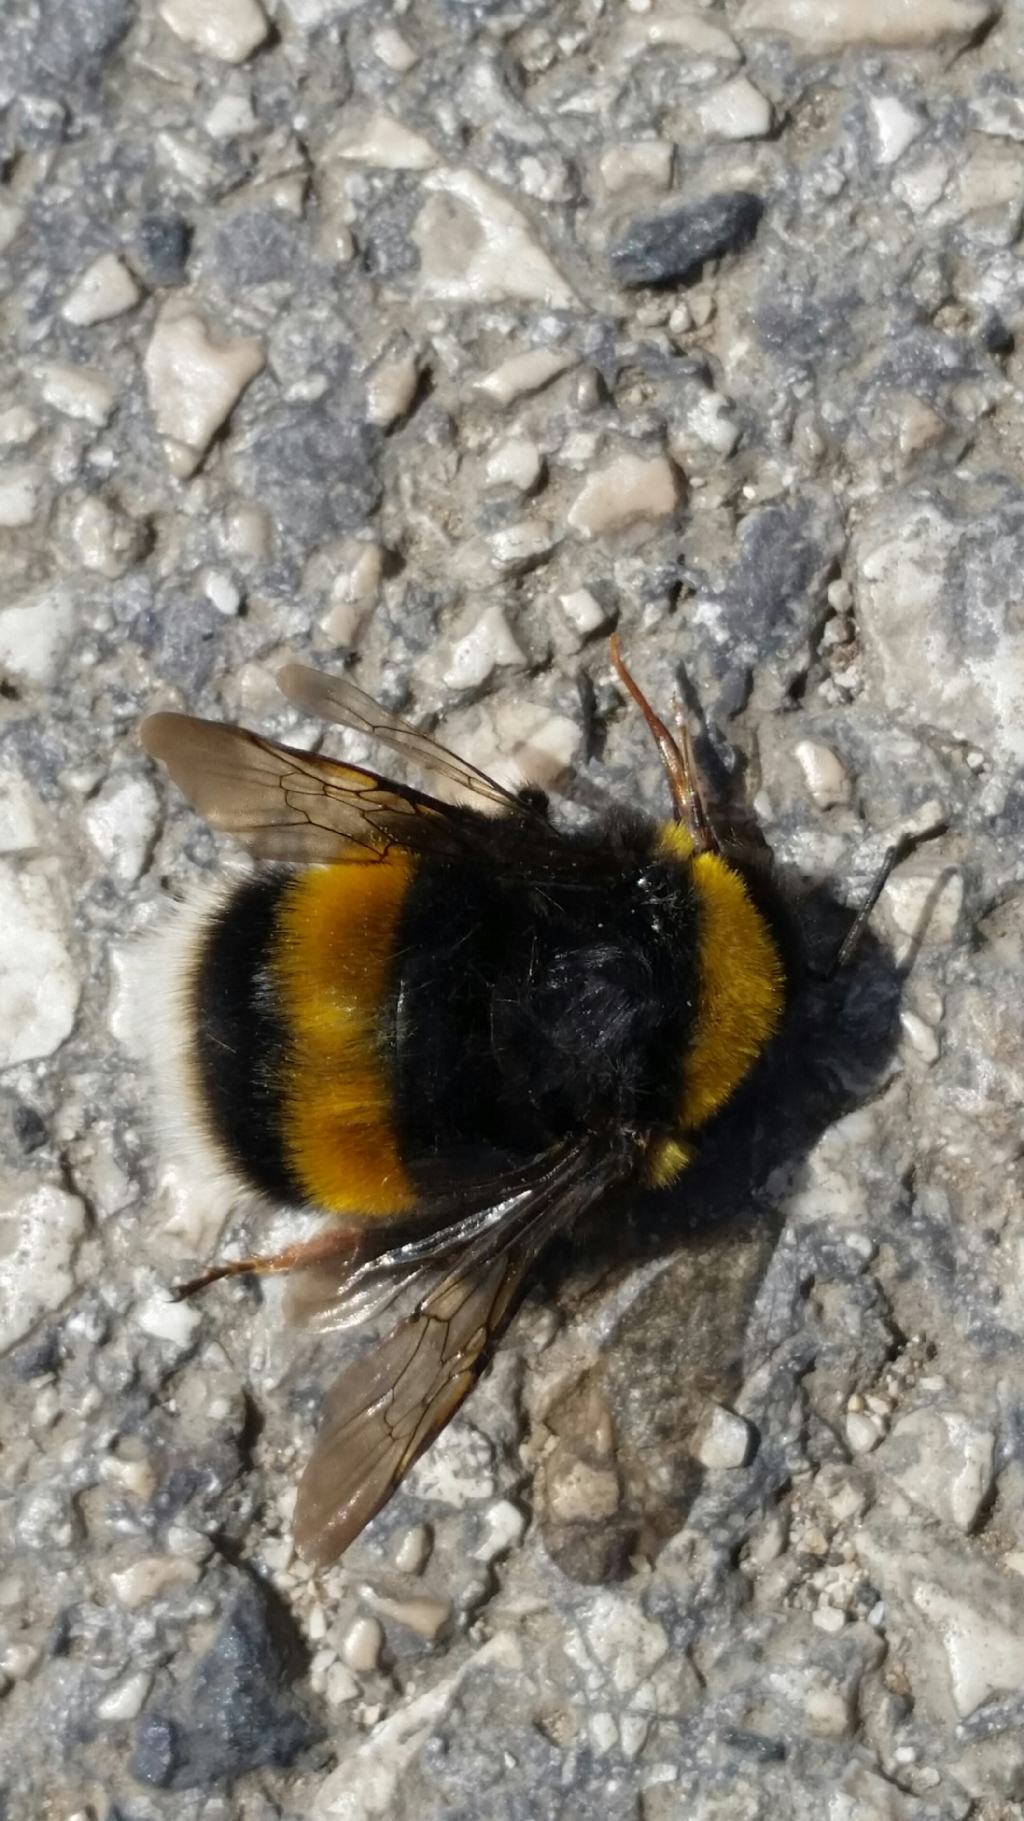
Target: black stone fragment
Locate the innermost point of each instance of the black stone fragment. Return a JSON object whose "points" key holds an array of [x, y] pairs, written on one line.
{"points": [[671, 247], [162, 245], [236, 1712]]}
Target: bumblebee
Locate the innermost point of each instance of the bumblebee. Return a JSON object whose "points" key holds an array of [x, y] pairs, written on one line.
{"points": [[451, 1028]]}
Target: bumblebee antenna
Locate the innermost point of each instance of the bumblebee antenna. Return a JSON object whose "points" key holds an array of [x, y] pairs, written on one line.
{"points": [[678, 761]]}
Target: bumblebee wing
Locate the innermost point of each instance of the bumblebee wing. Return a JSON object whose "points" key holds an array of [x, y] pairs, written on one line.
{"points": [[390, 1404], [294, 806], [335, 699]]}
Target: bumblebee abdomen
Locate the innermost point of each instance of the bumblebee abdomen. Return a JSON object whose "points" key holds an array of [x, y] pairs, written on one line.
{"points": [[293, 1025]]}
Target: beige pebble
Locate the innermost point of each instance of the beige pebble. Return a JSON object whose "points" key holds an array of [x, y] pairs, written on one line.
{"points": [[19, 496], [362, 1645], [104, 290], [391, 388], [377, 140], [524, 373], [413, 1551], [425, 1616], [476, 247], [645, 163], [195, 378], [394, 51], [825, 775], [832, 25], [229, 30], [18, 1659], [627, 489], [151, 1576], [76, 391], [515, 463], [735, 111], [354, 591]]}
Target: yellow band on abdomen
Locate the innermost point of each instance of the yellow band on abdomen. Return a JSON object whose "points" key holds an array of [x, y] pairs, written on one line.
{"points": [[336, 942]]}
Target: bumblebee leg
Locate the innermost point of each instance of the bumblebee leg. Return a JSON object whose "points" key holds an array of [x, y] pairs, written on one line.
{"points": [[332, 1243], [906, 845]]}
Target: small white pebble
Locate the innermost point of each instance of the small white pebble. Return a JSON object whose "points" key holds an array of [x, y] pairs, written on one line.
{"points": [[362, 1645], [122, 822], [863, 1431], [473, 657], [723, 1439], [896, 126], [583, 611], [230, 117], [378, 140], [340, 1685], [76, 391], [505, 1526], [413, 1551], [104, 290], [230, 30], [167, 1320], [735, 111], [127, 1697], [40, 984], [245, 531], [194, 379], [41, 1226], [828, 1619], [391, 388], [825, 775], [518, 547], [18, 1659], [18, 426], [19, 496], [643, 163], [515, 463], [222, 591], [20, 814]]}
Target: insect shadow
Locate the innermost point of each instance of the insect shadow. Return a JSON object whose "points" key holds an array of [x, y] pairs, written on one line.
{"points": [[699, 1254]]}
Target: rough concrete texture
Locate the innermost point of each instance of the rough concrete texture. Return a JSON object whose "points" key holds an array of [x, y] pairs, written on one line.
{"points": [[350, 332]]}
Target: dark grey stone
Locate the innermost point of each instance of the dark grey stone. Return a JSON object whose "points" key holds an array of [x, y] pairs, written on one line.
{"points": [[671, 247], [162, 243], [236, 1712]]}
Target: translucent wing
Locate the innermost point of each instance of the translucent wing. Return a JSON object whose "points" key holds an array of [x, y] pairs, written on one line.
{"points": [[390, 1404], [335, 699], [294, 806]]}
